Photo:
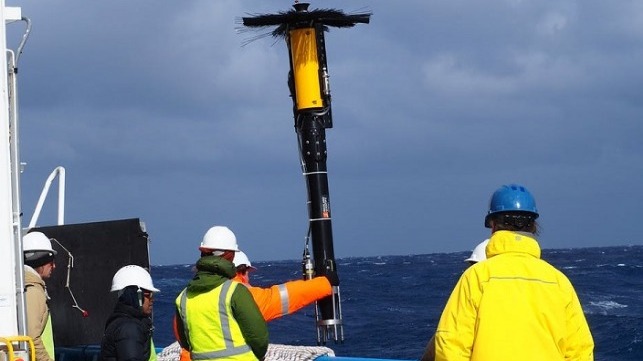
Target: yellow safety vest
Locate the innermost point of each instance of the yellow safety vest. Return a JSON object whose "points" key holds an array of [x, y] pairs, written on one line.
{"points": [[47, 338], [153, 356], [212, 331]]}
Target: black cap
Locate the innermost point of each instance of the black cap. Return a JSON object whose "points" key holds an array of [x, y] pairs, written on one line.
{"points": [[38, 258]]}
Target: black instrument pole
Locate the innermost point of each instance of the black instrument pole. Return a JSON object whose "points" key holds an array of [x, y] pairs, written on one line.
{"points": [[312, 138], [310, 92]]}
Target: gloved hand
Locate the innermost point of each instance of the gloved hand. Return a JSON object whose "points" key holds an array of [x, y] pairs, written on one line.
{"points": [[333, 278]]}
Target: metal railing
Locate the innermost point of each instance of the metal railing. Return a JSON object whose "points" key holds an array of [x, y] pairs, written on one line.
{"points": [[60, 172]]}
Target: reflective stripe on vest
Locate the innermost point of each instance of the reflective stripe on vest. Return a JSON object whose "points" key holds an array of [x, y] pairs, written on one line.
{"points": [[47, 338], [225, 319], [283, 296]]}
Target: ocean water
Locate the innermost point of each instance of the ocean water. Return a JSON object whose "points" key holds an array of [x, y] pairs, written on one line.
{"points": [[391, 304]]}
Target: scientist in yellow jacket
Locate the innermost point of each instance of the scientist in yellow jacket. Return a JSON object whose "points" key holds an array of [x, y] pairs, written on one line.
{"points": [[514, 305]]}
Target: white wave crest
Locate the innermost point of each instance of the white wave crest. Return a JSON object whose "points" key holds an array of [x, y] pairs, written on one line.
{"points": [[607, 305]]}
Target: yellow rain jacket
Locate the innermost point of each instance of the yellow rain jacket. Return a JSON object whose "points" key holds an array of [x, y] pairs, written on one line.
{"points": [[513, 306]]}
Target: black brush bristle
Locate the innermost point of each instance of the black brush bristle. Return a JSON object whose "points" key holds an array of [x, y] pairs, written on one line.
{"points": [[289, 19]]}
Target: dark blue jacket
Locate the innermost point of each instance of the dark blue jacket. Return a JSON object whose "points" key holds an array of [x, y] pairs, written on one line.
{"points": [[128, 335]]}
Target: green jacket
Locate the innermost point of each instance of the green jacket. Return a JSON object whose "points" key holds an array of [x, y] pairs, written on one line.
{"points": [[212, 271]]}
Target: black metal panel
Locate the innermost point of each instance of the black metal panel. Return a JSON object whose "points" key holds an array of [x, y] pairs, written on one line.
{"points": [[99, 249]]}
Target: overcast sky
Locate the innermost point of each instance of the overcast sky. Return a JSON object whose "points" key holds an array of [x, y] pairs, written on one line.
{"points": [[158, 111]]}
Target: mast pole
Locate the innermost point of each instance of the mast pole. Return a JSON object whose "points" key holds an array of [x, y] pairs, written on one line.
{"points": [[11, 296]]}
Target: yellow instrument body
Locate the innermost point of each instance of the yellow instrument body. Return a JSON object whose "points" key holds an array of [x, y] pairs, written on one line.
{"points": [[305, 67]]}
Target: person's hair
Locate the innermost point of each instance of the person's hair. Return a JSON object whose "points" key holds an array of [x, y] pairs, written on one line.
{"points": [[243, 269], [213, 252], [516, 222], [131, 295]]}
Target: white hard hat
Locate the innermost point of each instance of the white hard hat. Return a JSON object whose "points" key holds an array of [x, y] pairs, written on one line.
{"points": [[240, 258], [479, 253], [133, 275], [36, 242], [220, 238]]}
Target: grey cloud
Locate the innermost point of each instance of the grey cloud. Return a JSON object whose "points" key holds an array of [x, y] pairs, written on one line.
{"points": [[161, 112]]}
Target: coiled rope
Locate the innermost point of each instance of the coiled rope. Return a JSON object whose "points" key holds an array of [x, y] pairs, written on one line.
{"points": [[276, 352]]}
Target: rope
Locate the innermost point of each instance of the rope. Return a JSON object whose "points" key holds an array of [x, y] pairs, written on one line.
{"points": [[276, 352], [170, 353], [70, 265]]}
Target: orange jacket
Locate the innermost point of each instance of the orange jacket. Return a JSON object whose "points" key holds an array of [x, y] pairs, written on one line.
{"points": [[283, 299], [289, 297]]}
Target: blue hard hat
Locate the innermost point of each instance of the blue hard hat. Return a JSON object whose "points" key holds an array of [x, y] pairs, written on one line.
{"points": [[511, 198]]}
